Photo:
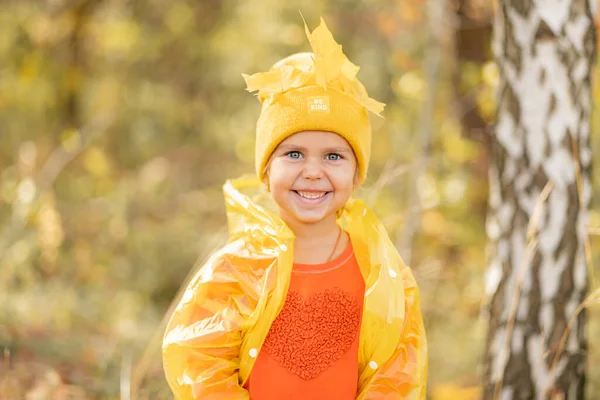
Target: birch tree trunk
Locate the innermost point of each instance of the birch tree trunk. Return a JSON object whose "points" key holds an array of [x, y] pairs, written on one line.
{"points": [[539, 195]]}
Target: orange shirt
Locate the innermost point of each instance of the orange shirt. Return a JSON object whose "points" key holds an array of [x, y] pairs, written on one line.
{"points": [[311, 351]]}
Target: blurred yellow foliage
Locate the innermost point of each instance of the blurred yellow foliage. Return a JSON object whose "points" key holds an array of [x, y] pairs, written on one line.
{"points": [[456, 147], [96, 162], [117, 35], [452, 391], [490, 73], [411, 85], [70, 139], [180, 18]]}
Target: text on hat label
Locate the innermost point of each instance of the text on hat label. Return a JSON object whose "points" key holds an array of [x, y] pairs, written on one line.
{"points": [[318, 105]]}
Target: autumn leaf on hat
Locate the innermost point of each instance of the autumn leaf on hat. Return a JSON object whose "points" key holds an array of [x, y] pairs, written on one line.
{"points": [[278, 80], [330, 68], [330, 60]]}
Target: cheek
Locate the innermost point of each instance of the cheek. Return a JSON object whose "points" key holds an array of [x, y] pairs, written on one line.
{"points": [[280, 175], [344, 178]]}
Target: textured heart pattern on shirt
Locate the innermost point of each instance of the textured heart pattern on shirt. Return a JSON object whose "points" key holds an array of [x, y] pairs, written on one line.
{"points": [[310, 334]]}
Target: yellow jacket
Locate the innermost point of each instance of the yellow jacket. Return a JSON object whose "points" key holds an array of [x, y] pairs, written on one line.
{"points": [[217, 329]]}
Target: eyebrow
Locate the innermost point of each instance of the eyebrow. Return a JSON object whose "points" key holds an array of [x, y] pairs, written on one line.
{"points": [[327, 150]]}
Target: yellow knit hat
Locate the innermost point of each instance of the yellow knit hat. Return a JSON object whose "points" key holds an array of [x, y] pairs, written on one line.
{"points": [[313, 91]]}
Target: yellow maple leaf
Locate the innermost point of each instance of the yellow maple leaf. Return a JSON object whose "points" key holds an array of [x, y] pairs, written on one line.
{"points": [[330, 60], [363, 98], [265, 81], [329, 67]]}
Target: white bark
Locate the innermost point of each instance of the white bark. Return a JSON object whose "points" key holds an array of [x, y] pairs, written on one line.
{"points": [[538, 272]]}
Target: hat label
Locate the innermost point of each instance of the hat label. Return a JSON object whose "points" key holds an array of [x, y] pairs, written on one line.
{"points": [[318, 105]]}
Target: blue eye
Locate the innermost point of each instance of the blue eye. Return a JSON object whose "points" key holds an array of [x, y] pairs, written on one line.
{"points": [[334, 156], [294, 154]]}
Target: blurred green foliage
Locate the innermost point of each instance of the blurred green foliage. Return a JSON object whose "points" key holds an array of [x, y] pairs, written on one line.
{"points": [[121, 119]]}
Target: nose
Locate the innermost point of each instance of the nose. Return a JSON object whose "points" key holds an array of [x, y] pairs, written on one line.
{"points": [[313, 169]]}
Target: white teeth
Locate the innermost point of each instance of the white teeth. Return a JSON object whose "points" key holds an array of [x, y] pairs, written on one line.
{"points": [[311, 195]]}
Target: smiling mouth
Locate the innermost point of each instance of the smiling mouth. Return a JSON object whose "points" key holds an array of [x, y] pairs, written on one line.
{"points": [[311, 195]]}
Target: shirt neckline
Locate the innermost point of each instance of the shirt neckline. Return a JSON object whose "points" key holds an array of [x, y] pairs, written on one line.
{"points": [[328, 266]]}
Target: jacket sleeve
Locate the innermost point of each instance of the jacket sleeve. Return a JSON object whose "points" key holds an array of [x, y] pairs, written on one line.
{"points": [[202, 341], [404, 375]]}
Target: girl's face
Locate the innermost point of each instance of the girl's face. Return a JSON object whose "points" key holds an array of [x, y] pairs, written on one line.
{"points": [[311, 176]]}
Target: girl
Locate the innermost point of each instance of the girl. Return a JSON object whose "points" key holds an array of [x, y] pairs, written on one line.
{"points": [[313, 301]]}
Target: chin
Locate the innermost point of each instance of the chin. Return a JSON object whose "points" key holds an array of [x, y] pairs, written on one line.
{"points": [[309, 220], [307, 217]]}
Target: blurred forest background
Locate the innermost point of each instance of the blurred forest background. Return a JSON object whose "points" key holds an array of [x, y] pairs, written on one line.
{"points": [[121, 119]]}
